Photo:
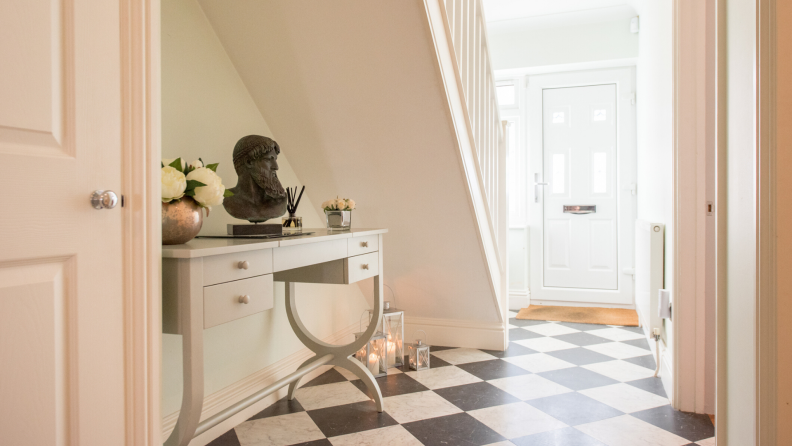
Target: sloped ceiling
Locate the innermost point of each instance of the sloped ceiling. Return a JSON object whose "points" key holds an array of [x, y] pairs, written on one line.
{"points": [[351, 92]]}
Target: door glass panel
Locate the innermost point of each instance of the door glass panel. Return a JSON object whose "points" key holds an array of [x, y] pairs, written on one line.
{"points": [[559, 166], [599, 177]]}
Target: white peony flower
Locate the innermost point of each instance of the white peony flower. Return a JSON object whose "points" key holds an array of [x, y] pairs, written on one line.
{"points": [[173, 184], [167, 162], [211, 194], [350, 204], [341, 204], [197, 164]]}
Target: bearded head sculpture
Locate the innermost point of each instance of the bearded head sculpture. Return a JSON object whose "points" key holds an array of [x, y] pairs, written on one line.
{"points": [[258, 195]]}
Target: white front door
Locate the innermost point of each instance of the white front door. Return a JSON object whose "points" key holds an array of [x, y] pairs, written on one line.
{"points": [[61, 307], [583, 175]]}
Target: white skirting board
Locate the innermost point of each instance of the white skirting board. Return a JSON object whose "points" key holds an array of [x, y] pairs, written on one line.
{"points": [[519, 300], [227, 396], [454, 333]]}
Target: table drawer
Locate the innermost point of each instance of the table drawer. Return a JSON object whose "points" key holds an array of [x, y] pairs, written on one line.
{"points": [[361, 267], [362, 245], [235, 266], [223, 303], [290, 257]]}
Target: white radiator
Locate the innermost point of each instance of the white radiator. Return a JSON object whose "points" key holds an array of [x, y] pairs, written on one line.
{"points": [[649, 251]]}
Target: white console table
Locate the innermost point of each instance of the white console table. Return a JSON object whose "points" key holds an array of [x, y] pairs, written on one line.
{"points": [[208, 282]]}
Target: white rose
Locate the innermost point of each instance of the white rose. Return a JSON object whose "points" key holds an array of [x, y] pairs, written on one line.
{"points": [[173, 184], [341, 204], [350, 204], [167, 162], [325, 205], [211, 194], [197, 164]]}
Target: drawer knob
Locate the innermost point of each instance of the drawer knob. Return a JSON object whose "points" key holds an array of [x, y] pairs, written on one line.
{"points": [[364, 244], [244, 299], [364, 266], [243, 265]]}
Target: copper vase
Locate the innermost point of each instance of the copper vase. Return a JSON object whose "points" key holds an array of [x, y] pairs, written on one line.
{"points": [[181, 221]]}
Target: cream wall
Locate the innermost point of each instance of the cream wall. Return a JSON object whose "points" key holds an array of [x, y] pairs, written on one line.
{"points": [[205, 110]]}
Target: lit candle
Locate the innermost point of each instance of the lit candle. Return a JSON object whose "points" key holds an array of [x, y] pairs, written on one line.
{"points": [[373, 364], [391, 352]]}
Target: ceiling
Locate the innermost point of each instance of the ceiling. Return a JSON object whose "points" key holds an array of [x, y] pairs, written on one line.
{"points": [[501, 10]]}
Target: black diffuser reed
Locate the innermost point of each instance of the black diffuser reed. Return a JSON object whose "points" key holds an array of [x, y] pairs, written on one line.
{"points": [[293, 200]]}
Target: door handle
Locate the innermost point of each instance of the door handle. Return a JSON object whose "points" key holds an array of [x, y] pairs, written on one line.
{"points": [[537, 184], [104, 199]]}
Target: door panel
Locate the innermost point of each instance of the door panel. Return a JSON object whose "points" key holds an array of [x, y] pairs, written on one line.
{"points": [[61, 307], [582, 145]]}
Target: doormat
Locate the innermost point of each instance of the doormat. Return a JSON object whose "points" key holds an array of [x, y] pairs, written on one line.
{"points": [[581, 315]]}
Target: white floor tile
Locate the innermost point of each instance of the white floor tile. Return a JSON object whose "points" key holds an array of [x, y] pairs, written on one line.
{"points": [[708, 442], [616, 334], [617, 350], [529, 387], [394, 371], [551, 329], [418, 406], [625, 397], [443, 377], [516, 420], [539, 362], [278, 431], [391, 436], [545, 344], [462, 355], [620, 370], [629, 431], [512, 314], [510, 326], [336, 394]]}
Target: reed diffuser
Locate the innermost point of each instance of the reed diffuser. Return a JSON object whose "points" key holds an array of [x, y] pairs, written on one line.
{"points": [[292, 224]]}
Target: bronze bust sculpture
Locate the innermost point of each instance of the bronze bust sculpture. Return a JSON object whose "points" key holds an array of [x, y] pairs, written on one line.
{"points": [[258, 195]]}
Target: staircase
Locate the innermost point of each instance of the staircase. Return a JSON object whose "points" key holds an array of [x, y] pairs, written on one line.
{"points": [[392, 104]]}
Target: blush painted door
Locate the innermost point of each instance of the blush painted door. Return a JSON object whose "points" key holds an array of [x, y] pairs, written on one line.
{"points": [[61, 308], [581, 206]]}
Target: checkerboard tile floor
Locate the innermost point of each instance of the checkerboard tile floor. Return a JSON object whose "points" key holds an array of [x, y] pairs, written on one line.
{"points": [[558, 384]]}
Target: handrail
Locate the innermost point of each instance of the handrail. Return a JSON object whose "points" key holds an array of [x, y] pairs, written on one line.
{"points": [[458, 29]]}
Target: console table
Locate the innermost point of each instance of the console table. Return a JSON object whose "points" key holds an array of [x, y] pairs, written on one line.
{"points": [[208, 282]]}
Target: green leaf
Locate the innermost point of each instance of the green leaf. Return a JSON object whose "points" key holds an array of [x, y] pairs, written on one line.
{"points": [[161, 165], [212, 167], [228, 193], [190, 193], [177, 164], [192, 184], [188, 169]]}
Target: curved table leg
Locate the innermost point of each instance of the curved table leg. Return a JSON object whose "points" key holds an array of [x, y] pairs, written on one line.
{"points": [[294, 384], [341, 352]]}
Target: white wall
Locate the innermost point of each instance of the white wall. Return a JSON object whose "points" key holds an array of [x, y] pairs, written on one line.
{"points": [[519, 47], [205, 110], [366, 111]]}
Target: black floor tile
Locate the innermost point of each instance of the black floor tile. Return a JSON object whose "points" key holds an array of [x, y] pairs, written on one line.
{"points": [[577, 378], [280, 407], [494, 369], [476, 396], [458, 430], [583, 327], [518, 334], [562, 437], [580, 356], [525, 323], [435, 362], [392, 385], [574, 408], [227, 439], [322, 442], [329, 377], [512, 350], [647, 361], [690, 426], [350, 418], [653, 385], [582, 339], [640, 343], [633, 329]]}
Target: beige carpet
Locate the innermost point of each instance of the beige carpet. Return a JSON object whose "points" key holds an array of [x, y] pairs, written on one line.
{"points": [[582, 315]]}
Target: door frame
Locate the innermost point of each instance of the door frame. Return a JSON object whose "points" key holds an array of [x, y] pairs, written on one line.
{"points": [[624, 79], [142, 248]]}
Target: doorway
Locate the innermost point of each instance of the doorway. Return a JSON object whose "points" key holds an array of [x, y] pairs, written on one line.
{"points": [[582, 187]]}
